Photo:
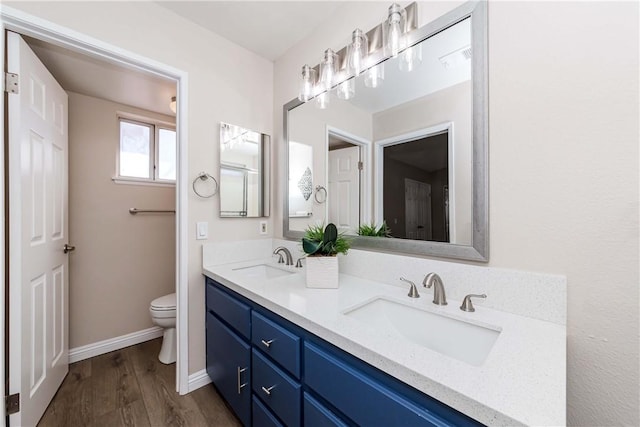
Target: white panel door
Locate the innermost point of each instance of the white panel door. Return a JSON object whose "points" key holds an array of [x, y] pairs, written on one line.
{"points": [[38, 217], [344, 189], [417, 199]]}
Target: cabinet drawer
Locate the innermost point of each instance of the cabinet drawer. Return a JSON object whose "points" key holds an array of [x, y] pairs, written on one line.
{"points": [[274, 340], [276, 389], [316, 415], [262, 417], [229, 309], [358, 396]]}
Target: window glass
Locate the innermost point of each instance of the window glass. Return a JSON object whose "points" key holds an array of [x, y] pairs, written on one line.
{"points": [[166, 154], [135, 144]]}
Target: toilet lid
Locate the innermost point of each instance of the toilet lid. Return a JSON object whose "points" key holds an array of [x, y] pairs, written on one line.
{"points": [[167, 302]]}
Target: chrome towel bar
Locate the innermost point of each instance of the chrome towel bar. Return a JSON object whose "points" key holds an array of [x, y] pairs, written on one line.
{"points": [[134, 211]]}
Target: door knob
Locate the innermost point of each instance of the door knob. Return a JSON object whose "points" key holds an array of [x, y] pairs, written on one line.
{"points": [[68, 248]]}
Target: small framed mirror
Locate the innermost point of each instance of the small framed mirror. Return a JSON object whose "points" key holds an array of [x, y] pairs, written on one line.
{"points": [[244, 172]]}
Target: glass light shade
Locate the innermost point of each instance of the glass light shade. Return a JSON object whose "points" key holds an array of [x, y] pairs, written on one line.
{"points": [[357, 52], [347, 89], [322, 100], [374, 76], [307, 83], [328, 70], [172, 104], [410, 58], [394, 31]]}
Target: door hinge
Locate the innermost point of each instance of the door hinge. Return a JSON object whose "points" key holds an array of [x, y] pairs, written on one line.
{"points": [[12, 403], [11, 82], [360, 166]]}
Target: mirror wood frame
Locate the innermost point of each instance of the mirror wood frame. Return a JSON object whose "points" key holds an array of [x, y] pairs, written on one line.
{"points": [[478, 250]]}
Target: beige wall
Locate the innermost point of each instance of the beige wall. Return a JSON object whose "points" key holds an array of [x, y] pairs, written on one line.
{"points": [[122, 262], [563, 144], [226, 83]]}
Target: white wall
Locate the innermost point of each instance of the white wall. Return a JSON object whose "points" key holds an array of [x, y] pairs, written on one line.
{"points": [[122, 261], [226, 83], [563, 144]]}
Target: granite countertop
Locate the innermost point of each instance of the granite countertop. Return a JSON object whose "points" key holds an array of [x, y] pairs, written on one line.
{"points": [[522, 380]]}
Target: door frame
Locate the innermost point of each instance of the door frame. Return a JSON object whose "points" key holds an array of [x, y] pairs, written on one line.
{"points": [[29, 25], [410, 136]]}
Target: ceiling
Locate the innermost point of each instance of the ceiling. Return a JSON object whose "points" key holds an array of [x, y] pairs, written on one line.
{"points": [[267, 28], [101, 79]]}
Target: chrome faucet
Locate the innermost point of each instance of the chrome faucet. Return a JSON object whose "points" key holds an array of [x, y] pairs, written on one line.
{"points": [[286, 252], [439, 296], [413, 291]]}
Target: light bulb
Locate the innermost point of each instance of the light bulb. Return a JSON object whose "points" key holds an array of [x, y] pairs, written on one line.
{"points": [[328, 70], [393, 33], [307, 81], [374, 76], [357, 52]]}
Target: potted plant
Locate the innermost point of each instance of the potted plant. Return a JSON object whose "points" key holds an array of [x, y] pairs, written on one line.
{"points": [[372, 230], [322, 245]]}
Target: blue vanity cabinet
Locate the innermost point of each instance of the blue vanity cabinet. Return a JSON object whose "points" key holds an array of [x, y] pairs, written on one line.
{"points": [[294, 378], [229, 354]]}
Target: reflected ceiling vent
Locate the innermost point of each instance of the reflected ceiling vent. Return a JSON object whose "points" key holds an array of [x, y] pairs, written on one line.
{"points": [[456, 58]]}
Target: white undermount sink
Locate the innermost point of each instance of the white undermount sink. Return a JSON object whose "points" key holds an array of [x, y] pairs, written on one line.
{"points": [[262, 271], [461, 340]]}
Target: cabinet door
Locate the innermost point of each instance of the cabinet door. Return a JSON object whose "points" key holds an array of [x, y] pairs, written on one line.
{"points": [[229, 367]]}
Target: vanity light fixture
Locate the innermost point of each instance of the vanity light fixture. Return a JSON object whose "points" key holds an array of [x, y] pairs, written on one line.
{"points": [[357, 52], [328, 77], [364, 55], [172, 104], [307, 83], [394, 31]]}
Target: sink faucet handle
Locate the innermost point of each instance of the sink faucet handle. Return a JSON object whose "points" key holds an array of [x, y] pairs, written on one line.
{"points": [[467, 305], [299, 263], [413, 291], [280, 258]]}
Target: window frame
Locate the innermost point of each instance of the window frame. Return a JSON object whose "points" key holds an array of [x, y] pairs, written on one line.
{"points": [[154, 150]]}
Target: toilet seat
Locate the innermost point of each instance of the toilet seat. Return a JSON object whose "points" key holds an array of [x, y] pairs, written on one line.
{"points": [[164, 303]]}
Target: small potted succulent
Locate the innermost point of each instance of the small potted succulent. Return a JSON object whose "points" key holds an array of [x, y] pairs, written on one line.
{"points": [[371, 230], [322, 245]]}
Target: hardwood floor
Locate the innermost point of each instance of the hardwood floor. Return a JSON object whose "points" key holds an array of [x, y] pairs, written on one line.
{"points": [[130, 387]]}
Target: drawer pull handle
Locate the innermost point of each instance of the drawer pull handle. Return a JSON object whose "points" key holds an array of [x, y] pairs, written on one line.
{"points": [[267, 343], [268, 390], [240, 385]]}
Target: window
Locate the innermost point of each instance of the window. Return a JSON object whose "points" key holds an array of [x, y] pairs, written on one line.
{"points": [[147, 151]]}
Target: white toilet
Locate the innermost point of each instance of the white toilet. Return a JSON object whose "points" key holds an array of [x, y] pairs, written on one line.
{"points": [[163, 314]]}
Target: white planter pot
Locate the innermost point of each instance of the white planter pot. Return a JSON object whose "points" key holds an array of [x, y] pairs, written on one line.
{"points": [[322, 272]]}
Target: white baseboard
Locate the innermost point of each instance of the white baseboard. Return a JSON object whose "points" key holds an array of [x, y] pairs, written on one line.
{"points": [[198, 379], [101, 347]]}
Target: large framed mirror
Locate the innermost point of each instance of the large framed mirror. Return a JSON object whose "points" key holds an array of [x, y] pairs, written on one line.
{"points": [[410, 153], [244, 172]]}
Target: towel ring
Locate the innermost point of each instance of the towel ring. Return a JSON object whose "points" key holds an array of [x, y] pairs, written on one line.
{"points": [[203, 177], [320, 188]]}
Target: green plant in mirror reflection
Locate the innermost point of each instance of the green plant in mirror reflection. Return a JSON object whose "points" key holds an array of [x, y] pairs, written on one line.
{"points": [[372, 230]]}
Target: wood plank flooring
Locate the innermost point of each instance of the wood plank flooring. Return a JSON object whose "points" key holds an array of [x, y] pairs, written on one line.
{"points": [[130, 387]]}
